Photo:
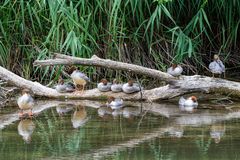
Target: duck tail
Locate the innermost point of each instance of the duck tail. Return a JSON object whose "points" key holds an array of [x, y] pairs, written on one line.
{"points": [[181, 101]]}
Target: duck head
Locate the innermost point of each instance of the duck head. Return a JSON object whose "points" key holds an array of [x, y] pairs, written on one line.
{"points": [[216, 57], [72, 69], [174, 65], [110, 99], [60, 81], [115, 81], [193, 98], [25, 91], [104, 81], [130, 82]]}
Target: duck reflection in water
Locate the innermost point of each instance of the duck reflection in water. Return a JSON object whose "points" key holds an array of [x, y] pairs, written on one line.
{"points": [[104, 112], [63, 109], [131, 112], [117, 112], [25, 129], [79, 117], [176, 131], [217, 131], [188, 109]]}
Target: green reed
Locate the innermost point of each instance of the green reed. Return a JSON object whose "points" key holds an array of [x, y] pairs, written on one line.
{"points": [[149, 33]]}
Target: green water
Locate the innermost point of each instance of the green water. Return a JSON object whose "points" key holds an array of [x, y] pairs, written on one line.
{"points": [[161, 132]]}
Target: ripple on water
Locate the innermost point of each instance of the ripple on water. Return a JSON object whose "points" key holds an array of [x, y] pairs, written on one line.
{"points": [[157, 131]]}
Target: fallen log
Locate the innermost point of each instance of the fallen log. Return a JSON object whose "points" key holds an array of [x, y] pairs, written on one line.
{"points": [[164, 92], [105, 63], [186, 84]]}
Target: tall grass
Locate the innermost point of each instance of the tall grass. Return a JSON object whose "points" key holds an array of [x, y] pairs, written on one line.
{"points": [[150, 33]]}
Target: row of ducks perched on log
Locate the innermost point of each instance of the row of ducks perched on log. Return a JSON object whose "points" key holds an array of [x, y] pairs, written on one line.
{"points": [[80, 80], [26, 102]]}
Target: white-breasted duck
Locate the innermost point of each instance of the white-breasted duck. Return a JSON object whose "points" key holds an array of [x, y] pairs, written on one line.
{"points": [[175, 70], [131, 87], [25, 102], [217, 66], [104, 85], [116, 86], [114, 103], [79, 79]]}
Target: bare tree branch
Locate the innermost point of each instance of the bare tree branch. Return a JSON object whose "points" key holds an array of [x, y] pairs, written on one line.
{"points": [[105, 63]]}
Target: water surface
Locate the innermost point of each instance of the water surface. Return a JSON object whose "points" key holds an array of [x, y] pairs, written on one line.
{"points": [[85, 131]]}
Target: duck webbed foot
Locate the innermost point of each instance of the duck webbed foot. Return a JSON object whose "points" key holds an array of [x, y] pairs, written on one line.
{"points": [[224, 75], [213, 75], [20, 114], [30, 114]]}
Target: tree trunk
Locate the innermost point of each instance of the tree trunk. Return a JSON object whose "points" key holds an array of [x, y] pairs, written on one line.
{"points": [[183, 85]]}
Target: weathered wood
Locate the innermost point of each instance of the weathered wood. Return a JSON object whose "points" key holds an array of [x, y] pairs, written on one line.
{"points": [[105, 63], [43, 91], [164, 92], [186, 84], [18, 81]]}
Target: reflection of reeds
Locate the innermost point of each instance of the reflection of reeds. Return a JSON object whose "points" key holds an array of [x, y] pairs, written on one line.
{"points": [[203, 145], [160, 152], [54, 136], [59, 138]]}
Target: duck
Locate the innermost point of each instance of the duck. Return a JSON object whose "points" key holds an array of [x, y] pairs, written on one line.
{"points": [[63, 109], [61, 87], [79, 117], [116, 86], [131, 87], [104, 85], [79, 79], [217, 66], [175, 70], [25, 129], [189, 102], [114, 103], [25, 102]]}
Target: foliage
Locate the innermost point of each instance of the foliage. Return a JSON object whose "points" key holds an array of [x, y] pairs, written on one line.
{"points": [[150, 33]]}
